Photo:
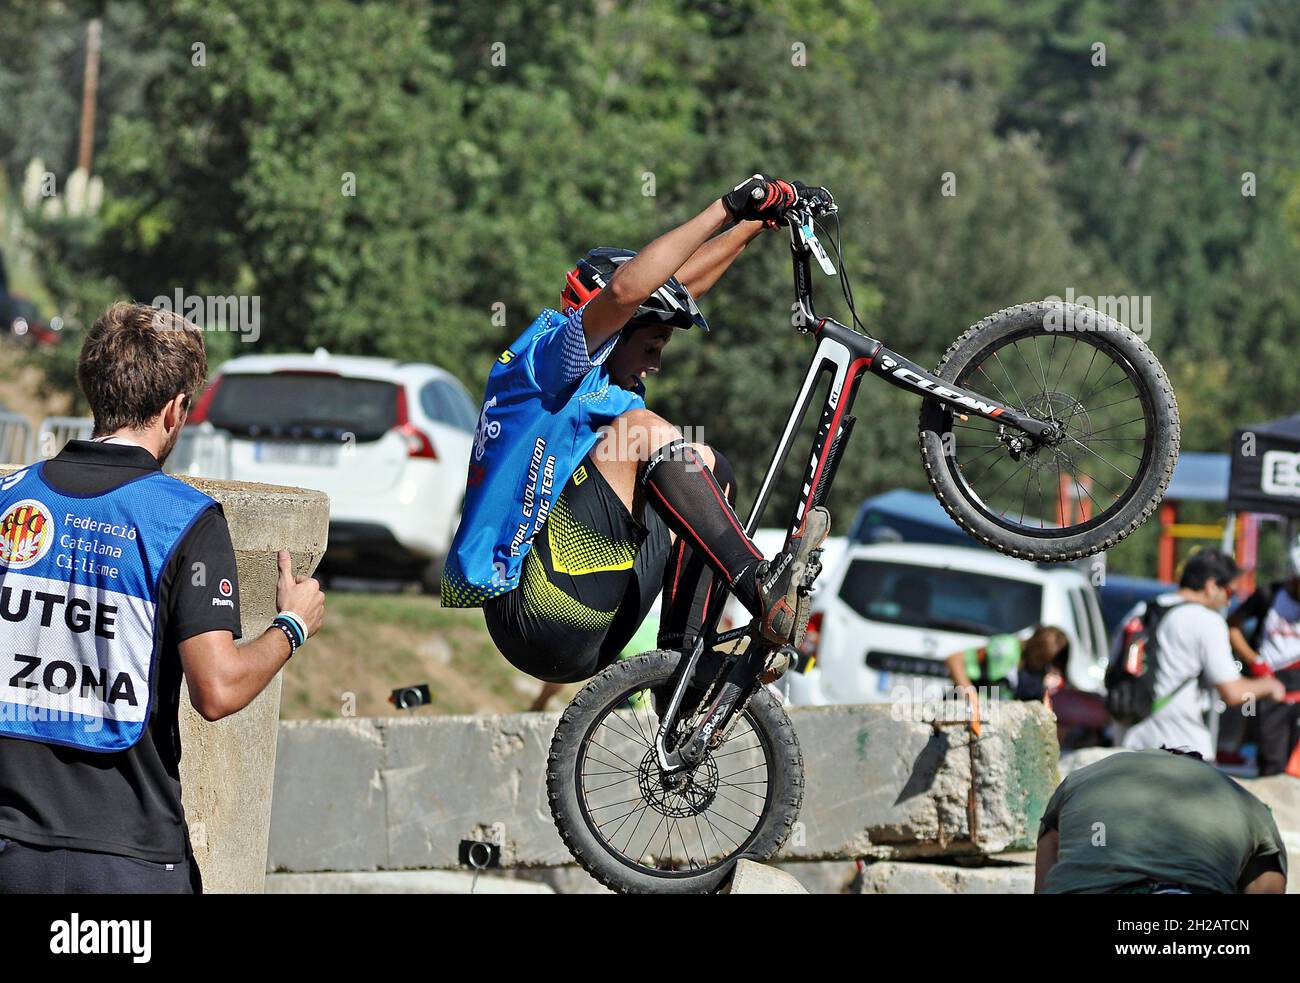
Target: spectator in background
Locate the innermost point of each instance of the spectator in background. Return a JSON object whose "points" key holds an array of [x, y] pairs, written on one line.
{"points": [[1195, 660], [1020, 670], [1273, 650], [1157, 822]]}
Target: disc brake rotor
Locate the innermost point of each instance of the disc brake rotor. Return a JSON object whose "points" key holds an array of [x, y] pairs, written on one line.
{"points": [[681, 795]]}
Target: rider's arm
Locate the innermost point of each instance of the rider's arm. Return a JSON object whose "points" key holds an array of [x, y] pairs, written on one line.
{"points": [[710, 261], [645, 273]]}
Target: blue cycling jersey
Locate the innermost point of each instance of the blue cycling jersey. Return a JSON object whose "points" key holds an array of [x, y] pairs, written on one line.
{"points": [[545, 402]]}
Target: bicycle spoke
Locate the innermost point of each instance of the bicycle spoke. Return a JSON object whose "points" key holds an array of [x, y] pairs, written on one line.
{"points": [[1046, 385], [1019, 399], [696, 818]]}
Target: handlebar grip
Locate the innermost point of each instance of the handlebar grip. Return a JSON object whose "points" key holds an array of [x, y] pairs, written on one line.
{"points": [[818, 200]]}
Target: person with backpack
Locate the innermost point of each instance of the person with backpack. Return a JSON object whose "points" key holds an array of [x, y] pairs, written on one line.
{"points": [[1273, 650], [1172, 654]]}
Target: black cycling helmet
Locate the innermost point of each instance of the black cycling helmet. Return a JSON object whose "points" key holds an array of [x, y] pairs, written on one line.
{"points": [[672, 304]]}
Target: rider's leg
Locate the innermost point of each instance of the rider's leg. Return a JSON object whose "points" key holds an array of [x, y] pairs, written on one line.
{"points": [[679, 485], [572, 596], [689, 582], [642, 452]]}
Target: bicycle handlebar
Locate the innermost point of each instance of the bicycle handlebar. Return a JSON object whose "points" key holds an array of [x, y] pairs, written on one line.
{"points": [[816, 201]]}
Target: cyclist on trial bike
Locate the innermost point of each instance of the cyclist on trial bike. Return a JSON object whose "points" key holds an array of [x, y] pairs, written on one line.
{"points": [[580, 502]]}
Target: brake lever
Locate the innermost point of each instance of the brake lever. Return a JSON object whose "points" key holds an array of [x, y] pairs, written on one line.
{"points": [[809, 235]]}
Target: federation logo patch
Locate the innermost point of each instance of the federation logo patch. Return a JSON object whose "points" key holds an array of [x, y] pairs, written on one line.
{"points": [[26, 534], [225, 587]]}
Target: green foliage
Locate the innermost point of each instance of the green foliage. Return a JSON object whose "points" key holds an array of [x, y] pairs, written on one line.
{"points": [[492, 143]]}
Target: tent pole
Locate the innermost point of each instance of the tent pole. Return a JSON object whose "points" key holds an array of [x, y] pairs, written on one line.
{"points": [[1227, 546]]}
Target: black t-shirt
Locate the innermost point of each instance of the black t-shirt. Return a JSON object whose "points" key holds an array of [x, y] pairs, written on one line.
{"points": [[126, 802]]}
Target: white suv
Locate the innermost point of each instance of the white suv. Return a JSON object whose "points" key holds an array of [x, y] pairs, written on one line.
{"points": [[888, 615], [388, 441]]}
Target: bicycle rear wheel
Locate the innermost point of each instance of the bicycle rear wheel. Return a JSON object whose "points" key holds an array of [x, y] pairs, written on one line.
{"points": [[1120, 432], [636, 831]]}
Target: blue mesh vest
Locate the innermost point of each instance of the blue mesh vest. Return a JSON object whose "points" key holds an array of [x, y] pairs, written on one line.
{"points": [[78, 605], [532, 435]]}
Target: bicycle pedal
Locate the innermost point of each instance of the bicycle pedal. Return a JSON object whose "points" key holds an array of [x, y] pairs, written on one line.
{"points": [[809, 575], [802, 611]]}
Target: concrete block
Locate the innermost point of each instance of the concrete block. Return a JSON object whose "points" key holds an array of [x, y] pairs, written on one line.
{"points": [[877, 786], [227, 768], [880, 786], [824, 876], [753, 878], [335, 819], [400, 882], [562, 880], [448, 779], [891, 877]]}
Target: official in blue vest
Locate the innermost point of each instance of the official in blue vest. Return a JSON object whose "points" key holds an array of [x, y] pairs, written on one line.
{"points": [[115, 580]]}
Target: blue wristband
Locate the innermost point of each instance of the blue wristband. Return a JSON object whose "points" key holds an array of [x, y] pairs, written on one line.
{"points": [[290, 636], [293, 626]]}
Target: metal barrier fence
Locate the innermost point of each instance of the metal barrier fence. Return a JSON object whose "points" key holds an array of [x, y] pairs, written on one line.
{"points": [[15, 439], [55, 431], [201, 452]]}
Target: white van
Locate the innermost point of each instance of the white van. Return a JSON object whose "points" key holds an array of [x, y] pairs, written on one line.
{"points": [[889, 615]]}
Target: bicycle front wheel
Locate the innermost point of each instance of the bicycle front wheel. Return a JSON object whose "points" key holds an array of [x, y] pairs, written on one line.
{"points": [[1098, 381], [638, 831]]}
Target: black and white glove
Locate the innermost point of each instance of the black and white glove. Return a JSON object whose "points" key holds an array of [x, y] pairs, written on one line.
{"points": [[818, 200], [760, 199]]}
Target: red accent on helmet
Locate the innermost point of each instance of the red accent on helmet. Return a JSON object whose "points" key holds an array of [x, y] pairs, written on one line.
{"points": [[575, 294]]}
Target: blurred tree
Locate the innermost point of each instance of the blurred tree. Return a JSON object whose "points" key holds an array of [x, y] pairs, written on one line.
{"points": [[413, 178]]}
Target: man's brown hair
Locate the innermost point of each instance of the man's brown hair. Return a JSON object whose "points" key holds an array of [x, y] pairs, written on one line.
{"points": [[1048, 645], [134, 361]]}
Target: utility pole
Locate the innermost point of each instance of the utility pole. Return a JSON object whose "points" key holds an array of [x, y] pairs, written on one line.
{"points": [[85, 150]]}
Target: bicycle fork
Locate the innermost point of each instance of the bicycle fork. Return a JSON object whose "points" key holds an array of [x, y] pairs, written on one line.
{"points": [[740, 681]]}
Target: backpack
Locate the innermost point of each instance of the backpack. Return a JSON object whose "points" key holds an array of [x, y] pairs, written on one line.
{"points": [[1131, 676]]}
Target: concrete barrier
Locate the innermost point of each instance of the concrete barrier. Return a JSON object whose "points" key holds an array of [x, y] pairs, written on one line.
{"points": [[752, 878], [890, 877], [227, 767], [401, 882], [401, 793]]}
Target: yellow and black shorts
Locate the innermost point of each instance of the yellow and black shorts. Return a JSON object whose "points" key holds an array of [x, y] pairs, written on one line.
{"points": [[586, 585]]}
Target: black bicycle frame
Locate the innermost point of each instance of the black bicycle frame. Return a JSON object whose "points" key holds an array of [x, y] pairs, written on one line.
{"points": [[846, 355]]}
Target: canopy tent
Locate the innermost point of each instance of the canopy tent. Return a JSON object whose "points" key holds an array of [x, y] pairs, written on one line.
{"points": [[1199, 477], [1266, 468]]}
